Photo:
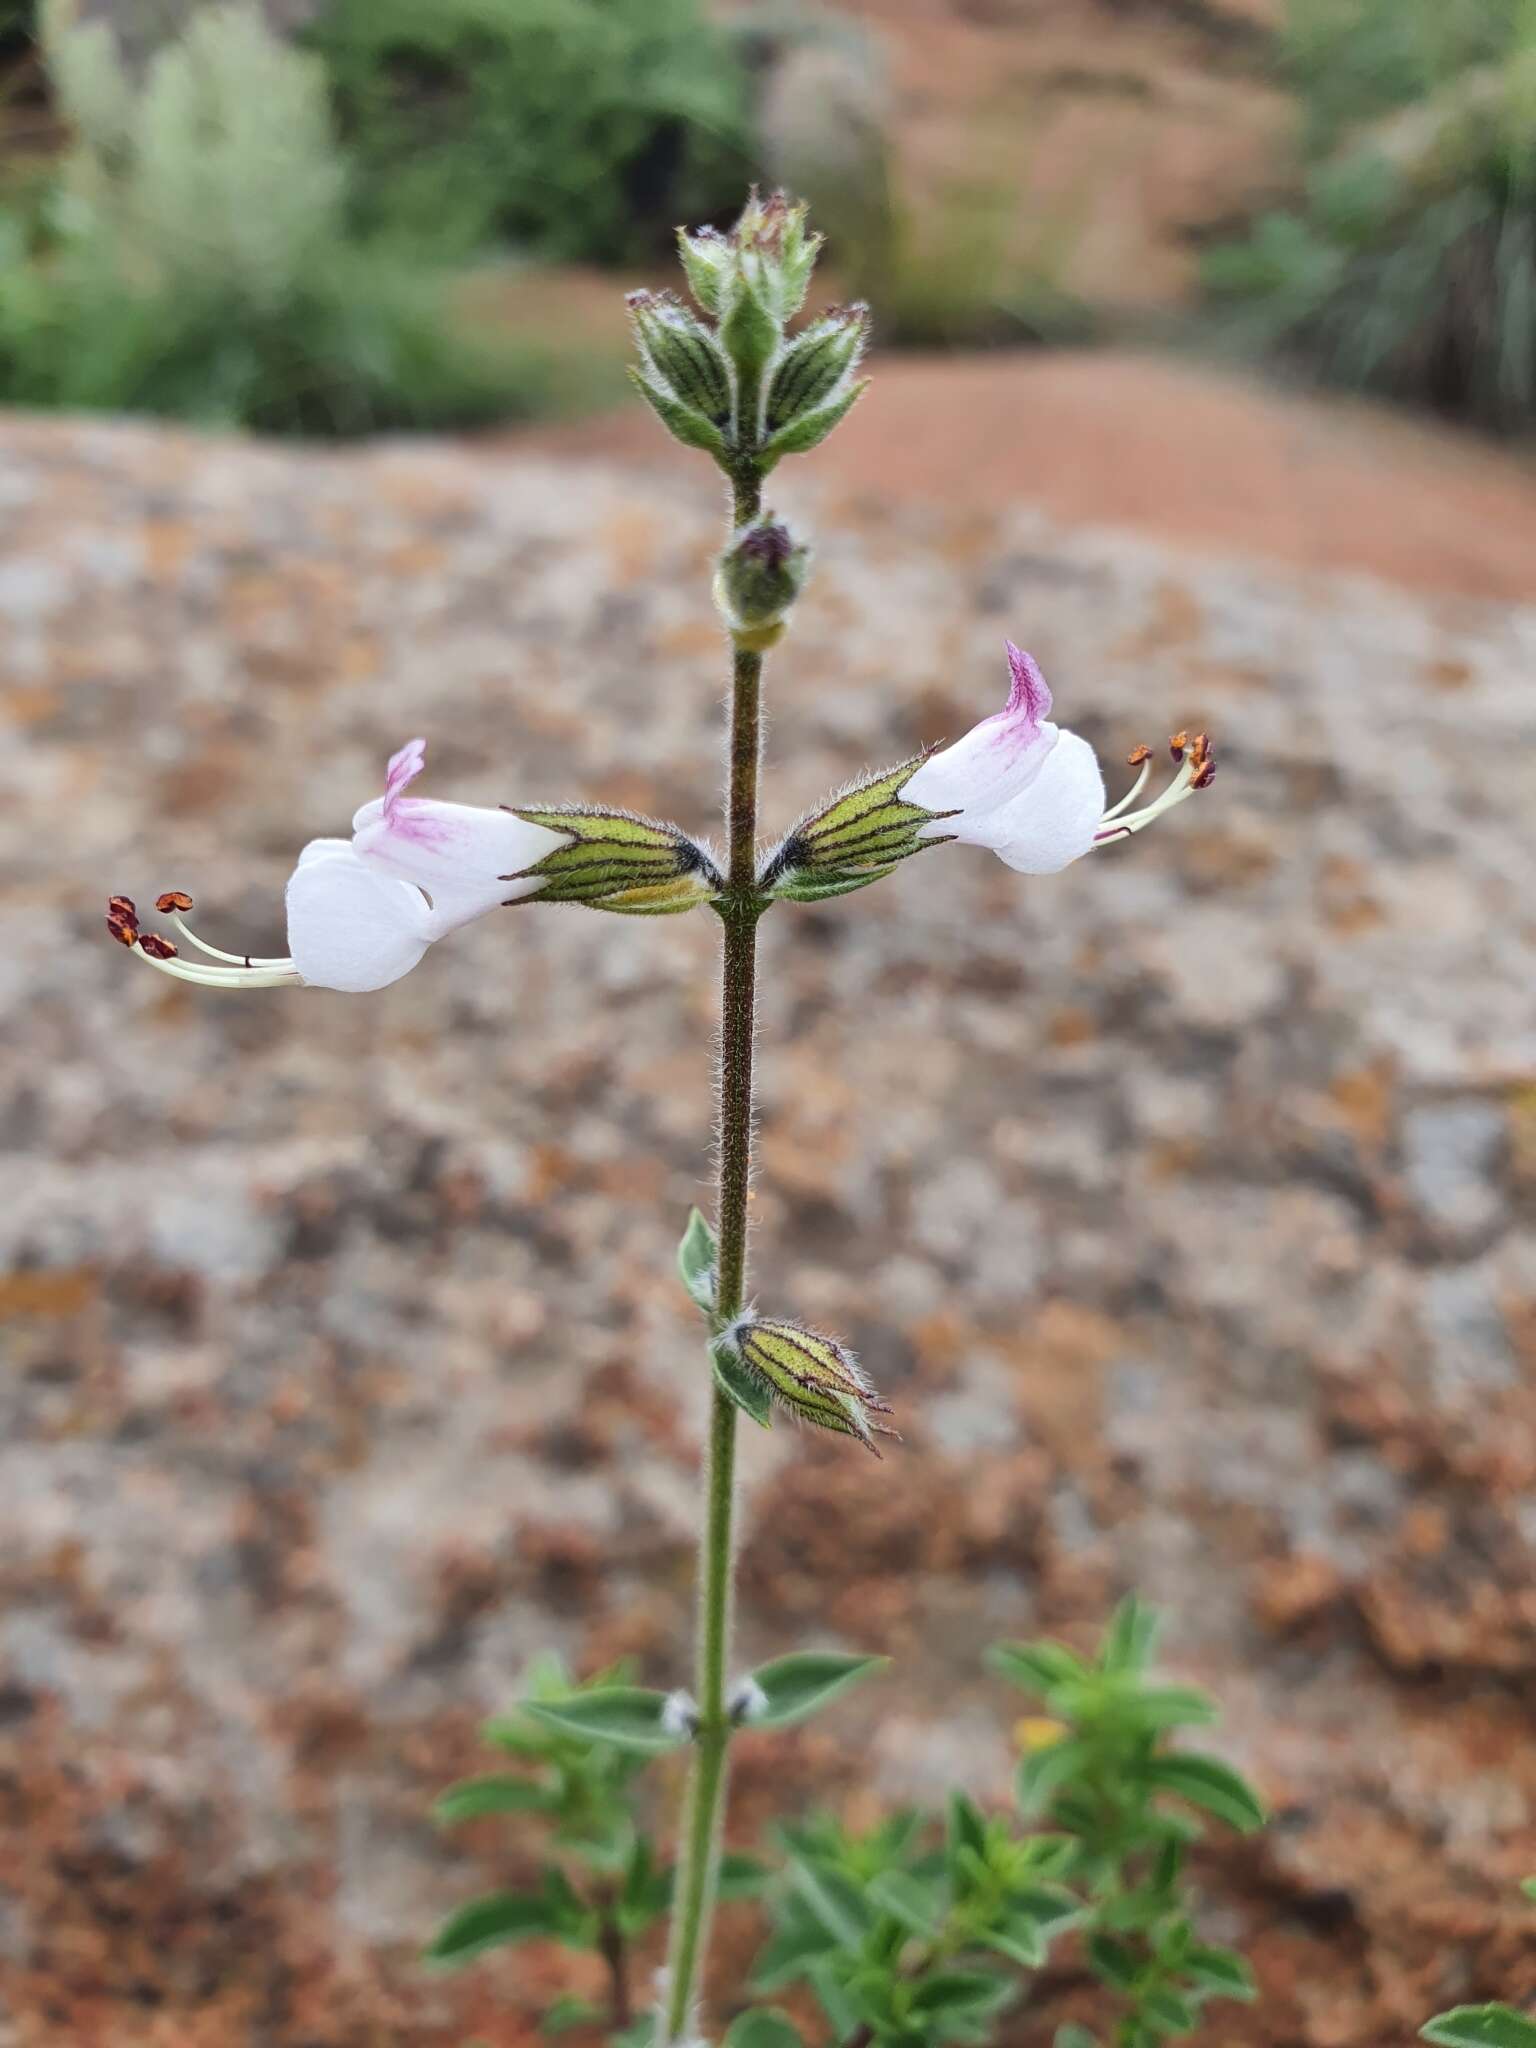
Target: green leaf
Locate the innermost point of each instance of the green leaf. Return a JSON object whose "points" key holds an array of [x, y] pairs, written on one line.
{"points": [[570, 2011], [697, 1256], [1131, 1634], [472, 1798], [1206, 1782], [966, 1828], [1481, 2026], [492, 1922], [1051, 1908], [1172, 1706], [917, 1906], [1528, 1886], [785, 1958], [1221, 1972], [1019, 1941], [1044, 1771], [766, 2029], [836, 1903], [973, 1991], [836, 2002], [799, 1684], [1072, 2036], [741, 1386], [742, 1877], [1113, 1961], [627, 1717], [1167, 2011], [1038, 1667]]}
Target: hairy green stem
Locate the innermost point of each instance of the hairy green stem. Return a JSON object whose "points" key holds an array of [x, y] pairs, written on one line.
{"points": [[740, 909]]}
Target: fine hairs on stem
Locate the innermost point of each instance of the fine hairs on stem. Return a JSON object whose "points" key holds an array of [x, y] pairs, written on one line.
{"points": [[739, 908]]}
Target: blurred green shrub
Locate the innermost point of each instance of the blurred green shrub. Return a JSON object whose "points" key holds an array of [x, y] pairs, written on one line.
{"points": [[576, 129], [1409, 264], [193, 256]]}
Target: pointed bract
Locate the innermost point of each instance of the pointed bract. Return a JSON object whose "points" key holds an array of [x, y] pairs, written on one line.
{"points": [[814, 1377]]}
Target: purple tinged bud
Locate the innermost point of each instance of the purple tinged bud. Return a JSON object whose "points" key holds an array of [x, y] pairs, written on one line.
{"points": [[760, 574]]}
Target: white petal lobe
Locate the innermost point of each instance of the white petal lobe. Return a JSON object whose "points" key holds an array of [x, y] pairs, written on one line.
{"points": [[1056, 819], [459, 853], [350, 927], [986, 767]]}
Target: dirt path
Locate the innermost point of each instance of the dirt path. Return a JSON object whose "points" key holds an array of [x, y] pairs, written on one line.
{"points": [[1179, 451]]}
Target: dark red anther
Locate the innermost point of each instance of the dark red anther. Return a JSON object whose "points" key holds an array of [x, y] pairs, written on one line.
{"points": [[156, 947], [122, 908], [173, 899]]}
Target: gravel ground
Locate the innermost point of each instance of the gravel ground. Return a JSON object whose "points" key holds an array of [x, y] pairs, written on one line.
{"points": [[1181, 1204]]}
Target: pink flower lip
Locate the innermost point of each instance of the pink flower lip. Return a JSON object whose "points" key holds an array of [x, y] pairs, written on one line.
{"points": [[403, 769]]}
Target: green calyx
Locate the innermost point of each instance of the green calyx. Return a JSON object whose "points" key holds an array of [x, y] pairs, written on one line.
{"points": [[766, 1361], [737, 388], [616, 861], [856, 838]]}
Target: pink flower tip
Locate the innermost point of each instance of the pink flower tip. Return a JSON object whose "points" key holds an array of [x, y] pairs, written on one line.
{"points": [[403, 769], [1029, 697]]}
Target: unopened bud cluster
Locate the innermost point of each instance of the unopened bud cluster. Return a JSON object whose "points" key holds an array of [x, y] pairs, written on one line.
{"points": [[730, 382]]}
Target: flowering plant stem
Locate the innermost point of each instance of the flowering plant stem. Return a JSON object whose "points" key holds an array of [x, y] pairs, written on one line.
{"points": [[740, 906]]}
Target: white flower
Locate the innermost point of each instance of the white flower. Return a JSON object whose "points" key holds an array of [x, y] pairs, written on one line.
{"points": [[362, 911], [1032, 793]]}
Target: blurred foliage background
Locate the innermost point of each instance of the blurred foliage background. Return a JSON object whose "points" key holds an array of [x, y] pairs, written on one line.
{"points": [[313, 216]]}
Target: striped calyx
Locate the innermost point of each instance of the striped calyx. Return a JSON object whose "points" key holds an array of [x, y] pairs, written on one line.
{"points": [[814, 1377], [613, 860], [855, 839], [683, 371]]}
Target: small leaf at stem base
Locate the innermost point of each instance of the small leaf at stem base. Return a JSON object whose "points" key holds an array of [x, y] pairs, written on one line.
{"points": [[628, 1717], [798, 1685], [697, 1260]]}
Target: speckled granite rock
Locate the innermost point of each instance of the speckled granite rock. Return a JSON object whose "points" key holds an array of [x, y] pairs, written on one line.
{"points": [[1182, 1204]]}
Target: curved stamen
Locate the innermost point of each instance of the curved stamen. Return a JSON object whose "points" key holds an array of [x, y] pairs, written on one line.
{"points": [[175, 903], [1196, 770], [275, 974], [1143, 755], [217, 952]]}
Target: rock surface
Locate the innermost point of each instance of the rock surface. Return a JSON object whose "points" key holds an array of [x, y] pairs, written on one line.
{"points": [[1181, 1204]]}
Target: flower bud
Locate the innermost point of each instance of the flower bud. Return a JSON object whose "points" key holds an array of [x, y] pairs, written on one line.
{"points": [[709, 260], [774, 251], [856, 838], [815, 365], [814, 1377], [680, 353], [760, 575], [613, 860]]}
